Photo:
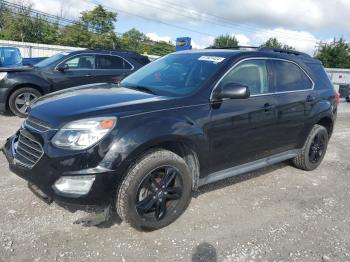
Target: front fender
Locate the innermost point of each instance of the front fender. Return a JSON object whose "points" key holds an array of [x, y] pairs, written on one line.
{"points": [[23, 78], [151, 132]]}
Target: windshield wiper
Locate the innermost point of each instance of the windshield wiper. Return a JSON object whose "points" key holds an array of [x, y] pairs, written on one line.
{"points": [[142, 89]]}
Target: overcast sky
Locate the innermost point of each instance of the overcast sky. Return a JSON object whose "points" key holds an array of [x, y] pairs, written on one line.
{"points": [[297, 23]]}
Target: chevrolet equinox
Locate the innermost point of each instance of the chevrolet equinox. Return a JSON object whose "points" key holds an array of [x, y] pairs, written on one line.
{"points": [[191, 118]]}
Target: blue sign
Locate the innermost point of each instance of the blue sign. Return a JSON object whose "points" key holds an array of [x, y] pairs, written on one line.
{"points": [[183, 43]]}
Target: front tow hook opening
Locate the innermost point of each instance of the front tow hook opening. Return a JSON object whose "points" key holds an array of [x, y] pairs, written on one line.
{"points": [[40, 194]]}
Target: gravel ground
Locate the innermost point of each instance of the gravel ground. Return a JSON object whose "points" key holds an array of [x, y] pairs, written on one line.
{"points": [[276, 214]]}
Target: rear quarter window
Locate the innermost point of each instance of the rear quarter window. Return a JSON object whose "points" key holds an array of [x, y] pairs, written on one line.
{"points": [[288, 76]]}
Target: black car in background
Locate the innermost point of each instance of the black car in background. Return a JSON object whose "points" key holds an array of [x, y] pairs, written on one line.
{"points": [[347, 97], [20, 86], [181, 122]]}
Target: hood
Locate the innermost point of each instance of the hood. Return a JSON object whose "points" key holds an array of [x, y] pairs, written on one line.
{"points": [[91, 101], [16, 69]]}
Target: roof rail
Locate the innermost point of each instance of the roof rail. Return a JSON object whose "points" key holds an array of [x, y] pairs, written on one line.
{"points": [[284, 51], [112, 50], [234, 47]]}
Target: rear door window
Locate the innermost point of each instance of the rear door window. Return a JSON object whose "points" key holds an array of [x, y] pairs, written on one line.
{"points": [[287, 76], [111, 62]]}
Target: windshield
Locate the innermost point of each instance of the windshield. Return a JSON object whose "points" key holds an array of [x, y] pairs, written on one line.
{"points": [[10, 56], [175, 74], [48, 61]]}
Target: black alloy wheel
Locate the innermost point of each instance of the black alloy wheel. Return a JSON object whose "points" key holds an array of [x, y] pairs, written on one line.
{"points": [[159, 193], [155, 191], [317, 148]]}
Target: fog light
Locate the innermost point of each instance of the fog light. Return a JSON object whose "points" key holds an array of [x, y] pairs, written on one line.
{"points": [[78, 185]]}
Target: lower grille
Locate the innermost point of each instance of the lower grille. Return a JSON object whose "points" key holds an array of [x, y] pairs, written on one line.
{"points": [[28, 151]]}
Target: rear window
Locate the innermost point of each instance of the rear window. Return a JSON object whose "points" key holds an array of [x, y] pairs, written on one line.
{"points": [[288, 76]]}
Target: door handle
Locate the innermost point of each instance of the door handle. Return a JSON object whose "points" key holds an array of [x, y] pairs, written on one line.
{"points": [[88, 75], [310, 98], [268, 107]]}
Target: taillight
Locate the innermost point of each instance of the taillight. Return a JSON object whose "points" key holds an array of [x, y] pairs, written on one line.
{"points": [[337, 97]]}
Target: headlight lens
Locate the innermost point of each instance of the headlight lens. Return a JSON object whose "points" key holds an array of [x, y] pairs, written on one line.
{"points": [[2, 75], [81, 134]]}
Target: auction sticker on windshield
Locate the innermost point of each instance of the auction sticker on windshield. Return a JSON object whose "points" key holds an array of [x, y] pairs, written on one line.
{"points": [[214, 59]]}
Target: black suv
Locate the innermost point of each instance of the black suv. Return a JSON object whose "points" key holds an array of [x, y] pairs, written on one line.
{"points": [[20, 86], [186, 120]]}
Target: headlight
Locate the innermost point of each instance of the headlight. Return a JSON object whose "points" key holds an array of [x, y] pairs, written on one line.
{"points": [[2, 75], [81, 134], [78, 185]]}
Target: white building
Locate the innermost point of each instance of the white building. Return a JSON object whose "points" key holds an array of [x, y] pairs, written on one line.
{"points": [[339, 77], [29, 50]]}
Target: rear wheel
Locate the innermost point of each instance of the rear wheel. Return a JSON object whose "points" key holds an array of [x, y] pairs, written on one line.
{"points": [[314, 149], [155, 191], [21, 100]]}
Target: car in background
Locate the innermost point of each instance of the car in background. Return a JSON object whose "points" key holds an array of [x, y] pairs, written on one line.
{"points": [[20, 86], [347, 97], [32, 60], [10, 56]]}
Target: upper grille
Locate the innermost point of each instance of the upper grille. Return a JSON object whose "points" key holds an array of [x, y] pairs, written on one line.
{"points": [[36, 124], [28, 151]]}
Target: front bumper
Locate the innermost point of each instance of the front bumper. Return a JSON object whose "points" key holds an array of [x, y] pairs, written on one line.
{"points": [[43, 175]]}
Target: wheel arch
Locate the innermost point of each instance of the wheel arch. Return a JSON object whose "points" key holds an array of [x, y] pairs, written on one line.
{"points": [[327, 122], [178, 145], [17, 87]]}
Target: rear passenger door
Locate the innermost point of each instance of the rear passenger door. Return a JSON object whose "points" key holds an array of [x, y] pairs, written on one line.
{"points": [[111, 68], [294, 101]]}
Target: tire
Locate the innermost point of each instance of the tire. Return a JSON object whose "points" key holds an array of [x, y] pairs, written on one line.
{"points": [[26, 95], [307, 159], [138, 186]]}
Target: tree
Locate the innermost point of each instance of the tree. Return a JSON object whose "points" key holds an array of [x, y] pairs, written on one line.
{"points": [[223, 41], [99, 20], [20, 25], [139, 42], [274, 43], [335, 54], [94, 29]]}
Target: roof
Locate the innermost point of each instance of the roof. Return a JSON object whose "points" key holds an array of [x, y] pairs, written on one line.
{"points": [[254, 51]]}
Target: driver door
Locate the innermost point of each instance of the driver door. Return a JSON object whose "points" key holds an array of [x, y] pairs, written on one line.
{"points": [[79, 72], [242, 130]]}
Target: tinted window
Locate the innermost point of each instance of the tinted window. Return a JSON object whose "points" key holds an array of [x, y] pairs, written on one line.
{"points": [[111, 62], [251, 73], [81, 62], [176, 74], [127, 65], [289, 77]]}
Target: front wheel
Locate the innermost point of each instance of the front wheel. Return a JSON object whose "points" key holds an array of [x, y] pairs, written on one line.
{"points": [[155, 191], [21, 100], [314, 150]]}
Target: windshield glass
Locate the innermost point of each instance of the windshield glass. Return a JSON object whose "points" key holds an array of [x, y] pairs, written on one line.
{"points": [[48, 61], [10, 56], [175, 74]]}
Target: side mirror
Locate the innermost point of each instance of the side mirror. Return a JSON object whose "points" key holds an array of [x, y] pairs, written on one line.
{"points": [[233, 91], [62, 68]]}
